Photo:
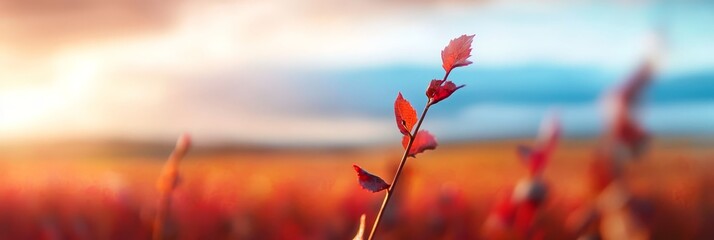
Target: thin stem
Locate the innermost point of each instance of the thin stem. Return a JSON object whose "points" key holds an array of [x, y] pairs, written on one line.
{"points": [[162, 211], [402, 162], [390, 190]]}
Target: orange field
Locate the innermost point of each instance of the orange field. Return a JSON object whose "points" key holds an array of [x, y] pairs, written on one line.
{"points": [[108, 191]]}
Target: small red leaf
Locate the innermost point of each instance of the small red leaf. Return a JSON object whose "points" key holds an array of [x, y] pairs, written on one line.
{"points": [[549, 133], [456, 54], [439, 90], [369, 181], [503, 212], [537, 158], [635, 84], [534, 159], [525, 215], [422, 142], [405, 115], [623, 125], [630, 133]]}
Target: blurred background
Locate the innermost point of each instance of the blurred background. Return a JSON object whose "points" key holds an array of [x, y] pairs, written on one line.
{"points": [[281, 97]]}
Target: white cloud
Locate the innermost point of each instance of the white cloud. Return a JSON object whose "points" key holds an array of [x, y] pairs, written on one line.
{"points": [[131, 87]]}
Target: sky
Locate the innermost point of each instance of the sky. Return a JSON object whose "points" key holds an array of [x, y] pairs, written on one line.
{"points": [[318, 72]]}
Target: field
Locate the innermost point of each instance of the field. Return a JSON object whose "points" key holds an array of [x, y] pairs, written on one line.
{"points": [[108, 191]]}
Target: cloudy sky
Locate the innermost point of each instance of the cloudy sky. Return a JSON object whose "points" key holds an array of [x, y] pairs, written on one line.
{"points": [[326, 72]]}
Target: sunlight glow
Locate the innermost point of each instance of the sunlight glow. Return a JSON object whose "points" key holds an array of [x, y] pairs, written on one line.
{"points": [[20, 109], [75, 73]]}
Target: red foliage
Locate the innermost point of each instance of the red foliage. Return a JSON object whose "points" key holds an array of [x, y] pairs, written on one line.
{"points": [[422, 141], [512, 213], [439, 90], [537, 157], [623, 126], [370, 181], [456, 54], [634, 85], [405, 115]]}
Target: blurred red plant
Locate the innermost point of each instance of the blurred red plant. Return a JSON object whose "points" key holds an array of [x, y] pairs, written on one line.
{"points": [[623, 141], [167, 182], [517, 209], [454, 55]]}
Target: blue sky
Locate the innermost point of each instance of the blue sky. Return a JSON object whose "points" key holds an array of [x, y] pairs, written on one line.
{"points": [[326, 72]]}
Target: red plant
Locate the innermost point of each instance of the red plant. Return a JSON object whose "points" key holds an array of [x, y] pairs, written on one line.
{"points": [[517, 209], [414, 141], [168, 180], [536, 157], [624, 129], [624, 140]]}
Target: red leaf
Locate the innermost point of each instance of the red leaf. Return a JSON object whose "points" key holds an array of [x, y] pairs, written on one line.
{"points": [[623, 126], [620, 102], [534, 159], [524, 218], [537, 158], [456, 54], [369, 181], [549, 133], [422, 142], [405, 115], [439, 90], [630, 133], [504, 211], [635, 84]]}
